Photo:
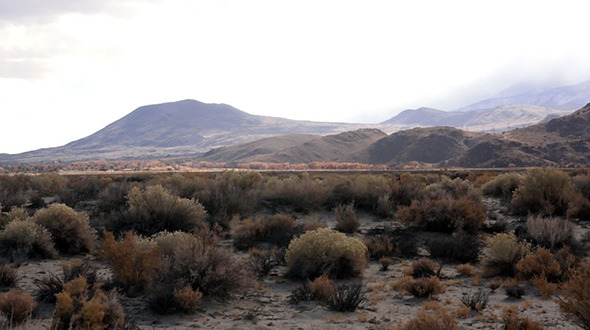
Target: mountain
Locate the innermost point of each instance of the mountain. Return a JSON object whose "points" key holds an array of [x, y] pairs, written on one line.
{"points": [[297, 148], [563, 97], [175, 129]]}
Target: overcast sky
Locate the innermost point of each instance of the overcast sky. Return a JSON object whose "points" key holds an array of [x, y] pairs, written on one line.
{"points": [[69, 68]]}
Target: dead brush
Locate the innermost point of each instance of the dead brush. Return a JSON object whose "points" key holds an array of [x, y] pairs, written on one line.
{"points": [[477, 300], [8, 276]]}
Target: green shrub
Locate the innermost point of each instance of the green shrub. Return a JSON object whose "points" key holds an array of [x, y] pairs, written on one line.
{"points": [[23, 239], [543, 191], [277, 230], [501, 253], [300, 192], [444, 215], [70, 229], [346, 219], [325, 251], [155, 209], [168, 241], [503, 185]]}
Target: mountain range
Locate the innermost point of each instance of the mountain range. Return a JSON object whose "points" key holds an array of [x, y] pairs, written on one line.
{"points": [[222, 133]]}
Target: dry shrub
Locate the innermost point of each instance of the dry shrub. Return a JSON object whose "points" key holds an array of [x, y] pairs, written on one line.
{"points": [[540, 263], [513, 321], [346, 297], [445, 215], [578, 208], [424, 287], [300, 192], [575, 296], [16, 306], [582, 184], [362, 190], [466, 270], [476, 301], [543, 191], [346, 219], [501, 254], [263, 261], [385, 262], [462, 312], [133, 260], [80, 306], [402, 283], [50, 285], [322, 288], [551, 233], [493, 285], [187, 299], [201, 264], [380, 246], [23, 239], [300, 293], [8, 276], [513, 289], [13, 190], [503, 185], [423, 267], [461, 248], [70, 229], [325, 251], [545, 288], [113, 197], [155, 209], [434, 316], [278, 230]]}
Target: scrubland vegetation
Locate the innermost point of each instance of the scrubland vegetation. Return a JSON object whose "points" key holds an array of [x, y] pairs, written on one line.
{"points": [[360, 243]]}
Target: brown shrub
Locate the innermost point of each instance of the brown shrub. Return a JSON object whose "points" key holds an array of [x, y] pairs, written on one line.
{"points": [[575, 296], [513, 289], [407, 188], [188, 299], [322, 288], [424, 287], [435, 317], [380, 246], [133, 260], [493, 285], [466, 270], [346, 219], [501, 254], [50, 285], [423, 267], [385, 262], [277, 230], [16, 306], [540, 263], [70, 229], [263, 261], [545, 288], [8, 276], [513, 321]]}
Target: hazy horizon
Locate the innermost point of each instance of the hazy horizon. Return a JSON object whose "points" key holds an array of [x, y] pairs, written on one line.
{"points": [[68, 69]]}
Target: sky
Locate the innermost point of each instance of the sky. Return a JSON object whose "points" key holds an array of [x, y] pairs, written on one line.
{"points": [[69, 68]]}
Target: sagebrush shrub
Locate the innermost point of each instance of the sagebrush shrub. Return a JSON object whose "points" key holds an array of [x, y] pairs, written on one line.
{"points": [[434, 316], [543, 191], [551, 233], [133, 260], [461, 248], [444, 215], [23, 239], [70, 229], [300, 192], [575, 296], [201, 264], [346, 219], [278, 230], [503, 185], [325, 251], [168, 241], [16, 306], [501, 254], [155, 209]]}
